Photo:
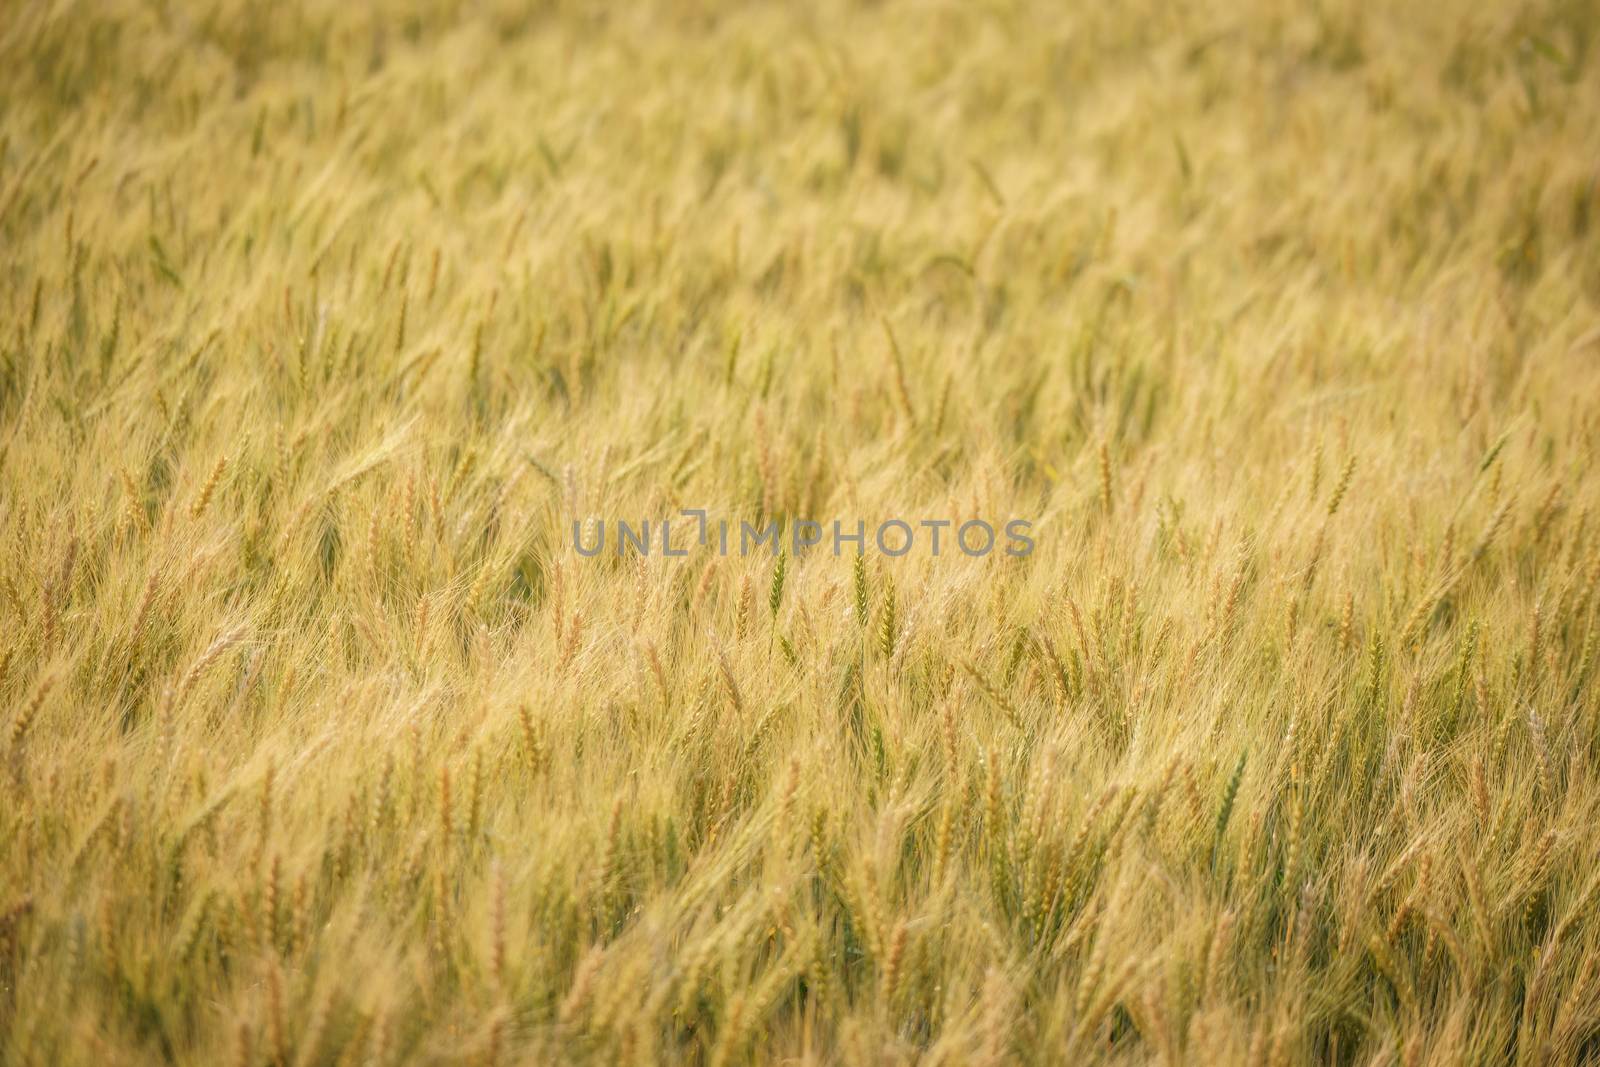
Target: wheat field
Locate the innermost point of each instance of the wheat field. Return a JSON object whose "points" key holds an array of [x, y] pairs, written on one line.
{"points": [[334, 337]]}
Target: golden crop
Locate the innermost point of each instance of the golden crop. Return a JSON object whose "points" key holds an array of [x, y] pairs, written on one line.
{"points": [[322, 322]]}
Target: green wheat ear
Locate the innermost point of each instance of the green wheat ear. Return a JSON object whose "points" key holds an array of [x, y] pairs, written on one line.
{"points": [[889, 624], [1229, 795], [860, 582], [779, 570]]}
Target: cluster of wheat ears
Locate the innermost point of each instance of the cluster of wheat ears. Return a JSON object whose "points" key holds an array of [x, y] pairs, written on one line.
{"points": [[320, 323]]}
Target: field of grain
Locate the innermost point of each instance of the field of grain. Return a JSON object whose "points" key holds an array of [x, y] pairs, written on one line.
{"points": [[324, 739]]}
